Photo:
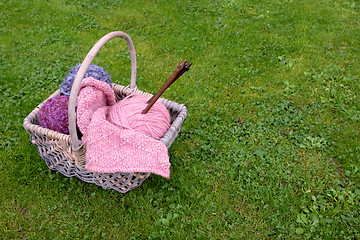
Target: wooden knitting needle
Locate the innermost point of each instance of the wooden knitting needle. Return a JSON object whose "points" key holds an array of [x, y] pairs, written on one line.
{"points": [[176, 74], [171, 79], [186, 68]]}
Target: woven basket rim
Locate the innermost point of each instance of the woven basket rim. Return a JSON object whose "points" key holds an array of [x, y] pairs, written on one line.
{"points": [[30, 126]]}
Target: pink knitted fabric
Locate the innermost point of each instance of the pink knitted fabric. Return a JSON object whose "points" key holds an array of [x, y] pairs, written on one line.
{"points": [[110, 148], [93, 94], [113, 148]]}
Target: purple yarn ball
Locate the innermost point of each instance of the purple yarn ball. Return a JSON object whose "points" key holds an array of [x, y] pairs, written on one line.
{"points": [[54, 114], [93, 71]]}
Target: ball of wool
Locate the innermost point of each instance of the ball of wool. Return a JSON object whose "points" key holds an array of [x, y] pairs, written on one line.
{"points": [[54, 114], [93, 71], [127, 113]]}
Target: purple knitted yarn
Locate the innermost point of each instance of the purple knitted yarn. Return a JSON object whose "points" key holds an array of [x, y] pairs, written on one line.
{"points": [[93, 71], [54, 114]]}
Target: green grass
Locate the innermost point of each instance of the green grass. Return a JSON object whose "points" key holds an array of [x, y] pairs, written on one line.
{"points": [[271, 145]]}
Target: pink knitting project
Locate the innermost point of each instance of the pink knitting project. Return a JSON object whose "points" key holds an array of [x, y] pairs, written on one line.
{"points": [[112, 148], [93, 94]]}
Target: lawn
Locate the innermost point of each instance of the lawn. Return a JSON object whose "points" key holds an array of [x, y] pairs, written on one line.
{"points": [[271, 145]]}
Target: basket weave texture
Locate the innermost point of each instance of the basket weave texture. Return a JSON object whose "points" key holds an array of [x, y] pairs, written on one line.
{"points": [[55, 148], [59, 154]]}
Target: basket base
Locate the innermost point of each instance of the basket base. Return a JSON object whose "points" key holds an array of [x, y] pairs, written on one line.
{"points": [[57, 161]]}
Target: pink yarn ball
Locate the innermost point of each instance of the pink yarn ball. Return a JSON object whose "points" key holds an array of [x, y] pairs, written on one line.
{"points": [[127, 113], [54, 114]]}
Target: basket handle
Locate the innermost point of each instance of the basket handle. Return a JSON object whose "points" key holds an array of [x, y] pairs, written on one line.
{"points": [[81, 73]]}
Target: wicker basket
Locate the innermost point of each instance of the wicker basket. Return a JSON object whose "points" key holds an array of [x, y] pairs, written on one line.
{"points": [[66, 153]]}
